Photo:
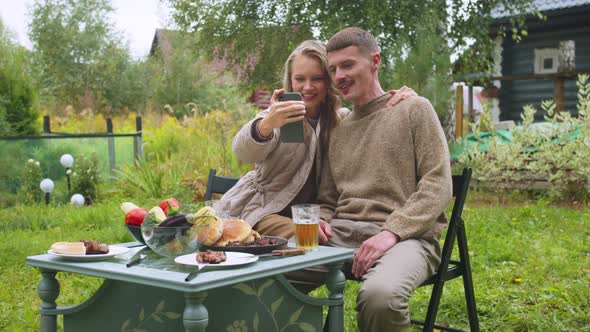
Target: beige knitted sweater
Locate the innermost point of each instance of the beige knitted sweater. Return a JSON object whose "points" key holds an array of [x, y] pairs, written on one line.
{"points": [[389, 165]]}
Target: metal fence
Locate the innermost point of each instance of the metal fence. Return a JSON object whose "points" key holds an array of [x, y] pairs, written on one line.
{"points": [[112, 150]]}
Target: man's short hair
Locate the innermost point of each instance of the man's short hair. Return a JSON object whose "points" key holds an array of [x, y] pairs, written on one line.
{"points": [[353, 37]]}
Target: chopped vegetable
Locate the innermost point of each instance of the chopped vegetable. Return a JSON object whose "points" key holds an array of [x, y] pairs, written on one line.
{"points": [[135, 216], [155, 217], [128, 206], [170, 206]]}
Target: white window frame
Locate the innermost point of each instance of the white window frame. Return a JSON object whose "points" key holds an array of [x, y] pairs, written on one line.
{"points": [[541, 54]]}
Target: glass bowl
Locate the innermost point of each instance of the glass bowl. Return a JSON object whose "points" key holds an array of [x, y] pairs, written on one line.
{"points": [[172, 241], [135, 232]]}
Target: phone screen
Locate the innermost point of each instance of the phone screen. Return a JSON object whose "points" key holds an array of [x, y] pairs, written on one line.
{"points": [[292, 132]]}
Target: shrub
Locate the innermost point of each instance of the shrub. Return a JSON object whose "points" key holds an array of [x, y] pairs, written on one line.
{"points": [[156, 178], [17, 92], [85, 178], [29, 192], [559, 155]]}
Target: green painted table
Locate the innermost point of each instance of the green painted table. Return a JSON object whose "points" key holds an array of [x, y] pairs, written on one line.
{"points": [[153, 295]]}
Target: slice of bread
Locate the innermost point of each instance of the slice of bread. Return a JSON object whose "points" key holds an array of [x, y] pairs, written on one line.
{"points": [[234, 230], [69, 248], [211, 233]]}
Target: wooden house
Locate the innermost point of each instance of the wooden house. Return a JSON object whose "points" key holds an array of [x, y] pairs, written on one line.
{"points": [[545, 63]]}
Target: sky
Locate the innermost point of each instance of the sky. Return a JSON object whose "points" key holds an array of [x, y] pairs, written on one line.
{"points": [[136, 20]]}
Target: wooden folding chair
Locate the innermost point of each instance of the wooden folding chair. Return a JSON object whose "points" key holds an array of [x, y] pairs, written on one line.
{"points": [[217, 184]]}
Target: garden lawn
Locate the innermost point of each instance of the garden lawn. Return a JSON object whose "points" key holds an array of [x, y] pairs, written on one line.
{"points": [[531, 266]]}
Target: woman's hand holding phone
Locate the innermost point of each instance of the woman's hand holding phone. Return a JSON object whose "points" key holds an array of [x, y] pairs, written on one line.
{"points": [[281, 113]]}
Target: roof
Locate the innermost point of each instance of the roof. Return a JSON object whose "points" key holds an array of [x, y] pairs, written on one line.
{"points": [[162, 39], [542, 6]]}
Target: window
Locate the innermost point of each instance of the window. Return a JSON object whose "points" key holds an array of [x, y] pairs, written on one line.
{"points": [[546, 60], [547, 63]]}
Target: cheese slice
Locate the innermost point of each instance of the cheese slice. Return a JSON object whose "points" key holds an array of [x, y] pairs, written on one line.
{"points": [[69, 248]]}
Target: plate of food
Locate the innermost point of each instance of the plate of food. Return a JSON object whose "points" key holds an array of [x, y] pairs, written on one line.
{"points": [[216, 258], [85, 251], [235, 235]]}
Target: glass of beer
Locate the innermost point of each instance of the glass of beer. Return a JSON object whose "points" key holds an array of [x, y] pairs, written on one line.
{"points": [[307, 223]]}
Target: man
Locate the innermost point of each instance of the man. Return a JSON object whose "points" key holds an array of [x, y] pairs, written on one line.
{"points": [[385, 185]]}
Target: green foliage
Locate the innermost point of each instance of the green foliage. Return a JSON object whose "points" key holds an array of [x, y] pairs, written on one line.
{"points": [[79, 58], [559, 155], [153, 178], [426, 69], [85, 178], [179, 153], [182, 83], [17, 93], [29, 192], [265, 31]]}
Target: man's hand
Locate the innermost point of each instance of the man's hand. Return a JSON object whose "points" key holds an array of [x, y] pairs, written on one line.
{"points": [[371, 250], [325, 231], [280, 113], [399, 95]]}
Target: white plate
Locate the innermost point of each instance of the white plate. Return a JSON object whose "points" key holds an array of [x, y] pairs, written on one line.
{"points": [[232, 259], [113, 251]]}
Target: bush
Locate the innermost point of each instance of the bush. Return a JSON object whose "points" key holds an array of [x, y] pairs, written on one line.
{"points": [[179, 153], [85, 178], [17, 93], [560, 155], [29, 192]]}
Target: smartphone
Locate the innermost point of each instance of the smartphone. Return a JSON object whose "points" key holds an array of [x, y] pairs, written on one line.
{"points": [[292, 132]]}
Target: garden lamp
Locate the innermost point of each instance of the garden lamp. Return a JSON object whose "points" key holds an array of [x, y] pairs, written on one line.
{"points": [[47, 186], [67, 161], [77, 200]]}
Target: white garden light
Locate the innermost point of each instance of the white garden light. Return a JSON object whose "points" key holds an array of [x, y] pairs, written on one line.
{"points": [[67, 161], [77, 200], [47, 187]]}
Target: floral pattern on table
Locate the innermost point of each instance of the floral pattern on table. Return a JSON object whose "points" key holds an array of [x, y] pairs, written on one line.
{"points": [[159, 315], [271, 312]]}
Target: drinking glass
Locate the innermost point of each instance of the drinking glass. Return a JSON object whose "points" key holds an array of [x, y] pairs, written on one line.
{"points": [[307, 224]]}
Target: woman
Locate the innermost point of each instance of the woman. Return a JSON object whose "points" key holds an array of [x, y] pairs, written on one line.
{"points": [[287, 173]]}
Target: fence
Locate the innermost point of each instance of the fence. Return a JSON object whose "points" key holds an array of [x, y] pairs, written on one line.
{"points": [[112, 149]]}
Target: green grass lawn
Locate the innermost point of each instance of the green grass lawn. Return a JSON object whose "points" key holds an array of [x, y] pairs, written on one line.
{"points": [[531, 266]]}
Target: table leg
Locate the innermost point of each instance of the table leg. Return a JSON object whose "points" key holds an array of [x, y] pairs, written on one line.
{"points": [[48, 291], [336, 282], [195, 316]]}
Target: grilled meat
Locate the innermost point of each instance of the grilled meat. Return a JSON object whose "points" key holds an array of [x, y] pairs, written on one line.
{"points": [[212, 257], [95, 247]]}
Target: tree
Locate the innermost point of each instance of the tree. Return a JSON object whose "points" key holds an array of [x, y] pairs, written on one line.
{"points": [[416, 37], [426, 69], [17, 92], [182, 79], [78, 54], [269, 29]]}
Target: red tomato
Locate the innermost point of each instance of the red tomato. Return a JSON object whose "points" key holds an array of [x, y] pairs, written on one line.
{"points": [[135, 216], [170, 205]]}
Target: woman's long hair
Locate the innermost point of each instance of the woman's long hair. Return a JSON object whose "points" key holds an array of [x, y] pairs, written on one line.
{"points": [[329, 117]]}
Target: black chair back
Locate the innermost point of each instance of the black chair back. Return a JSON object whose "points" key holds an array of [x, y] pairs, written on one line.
{"points": [[217, 184]]}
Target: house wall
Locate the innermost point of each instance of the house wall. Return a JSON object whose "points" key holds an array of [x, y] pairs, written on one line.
{"points": [[519, 59]]}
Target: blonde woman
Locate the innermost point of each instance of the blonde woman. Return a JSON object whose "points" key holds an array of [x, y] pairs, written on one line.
{"points": [[286, 174]]}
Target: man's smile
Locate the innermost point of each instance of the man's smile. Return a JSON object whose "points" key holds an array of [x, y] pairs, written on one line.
{"points": [[344, 86]]}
